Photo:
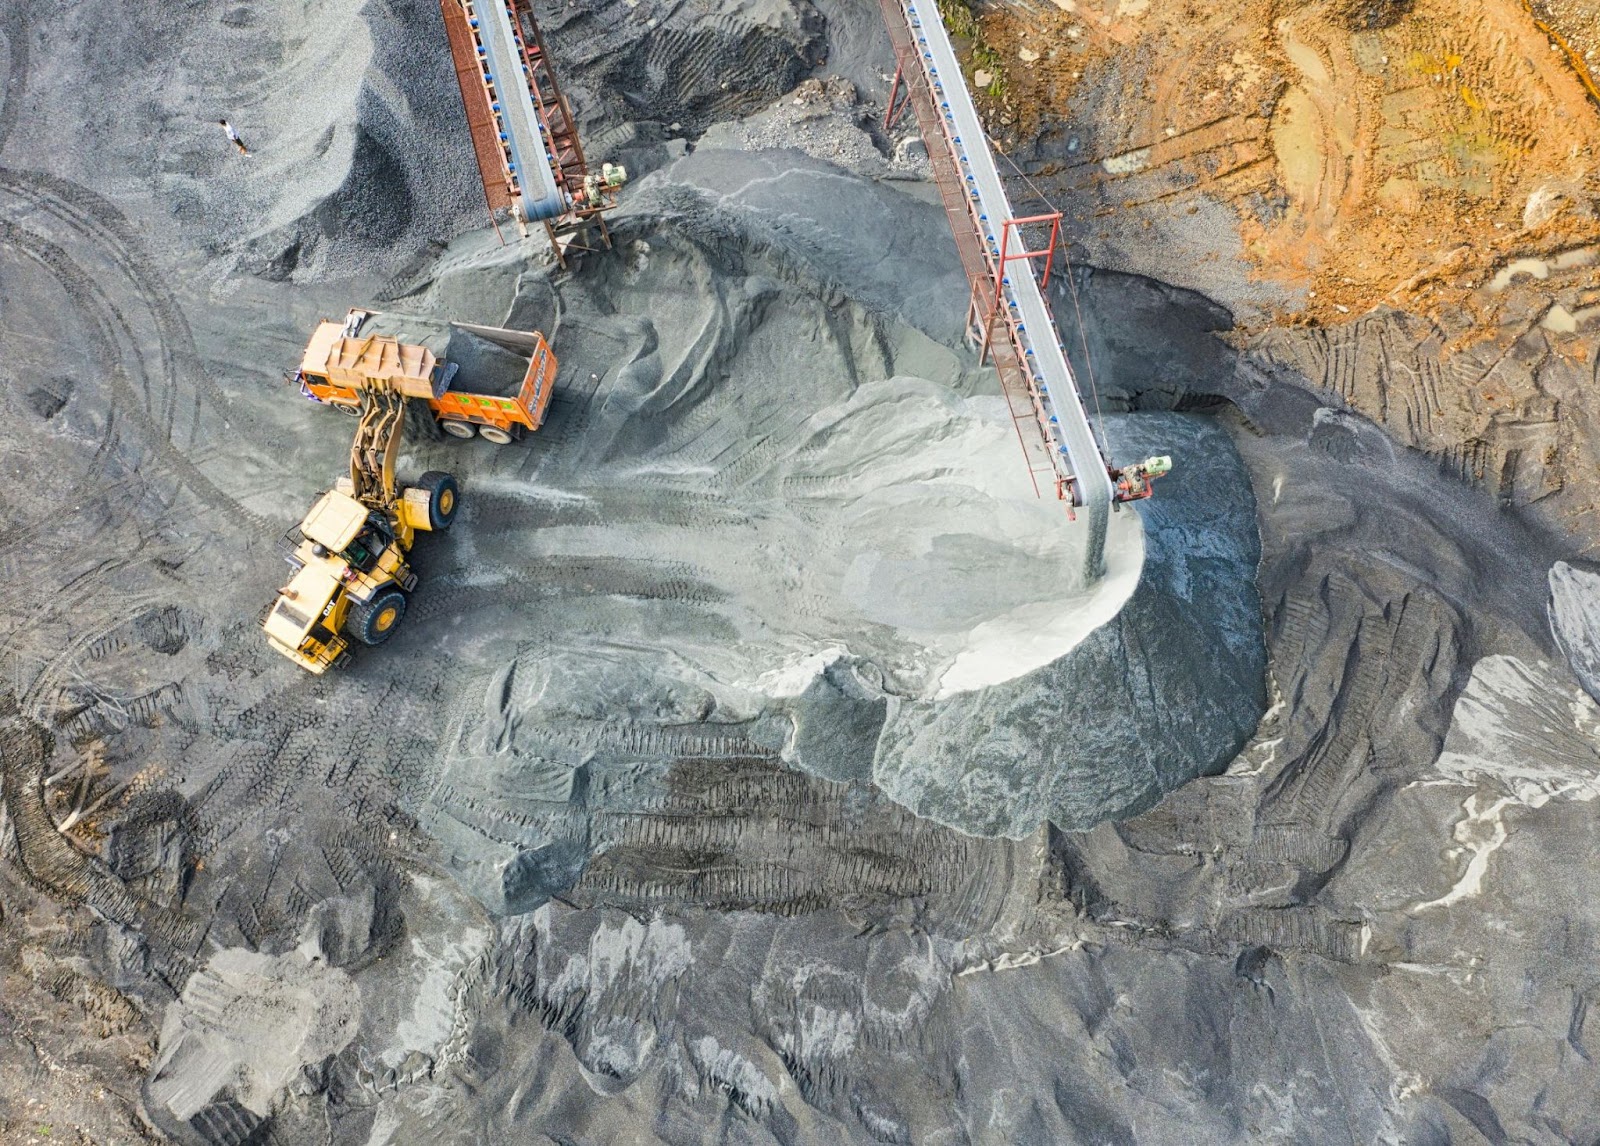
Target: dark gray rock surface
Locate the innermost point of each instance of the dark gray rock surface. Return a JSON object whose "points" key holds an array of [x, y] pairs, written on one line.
{"points": [[553, 867]]}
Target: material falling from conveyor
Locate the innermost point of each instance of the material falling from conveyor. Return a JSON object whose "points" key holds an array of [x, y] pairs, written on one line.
{"points": [[1034, 371]]}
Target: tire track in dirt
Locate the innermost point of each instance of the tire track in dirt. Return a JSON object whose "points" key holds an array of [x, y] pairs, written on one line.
{"points": [[139, 409], [47, 859], [564, 576], [39, 551], [1323, 159], [103, 321], [108, 231], [40, 701]]}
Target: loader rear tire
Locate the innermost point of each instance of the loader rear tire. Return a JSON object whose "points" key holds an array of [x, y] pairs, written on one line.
{"points": [[444, 498], [376, 621]]}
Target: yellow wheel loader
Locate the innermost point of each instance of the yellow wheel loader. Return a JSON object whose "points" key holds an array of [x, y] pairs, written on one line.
{"points": [[351, 577]]}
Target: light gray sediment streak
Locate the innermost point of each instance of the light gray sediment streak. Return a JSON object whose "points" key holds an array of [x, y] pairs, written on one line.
{"points": [[1071, 437]]}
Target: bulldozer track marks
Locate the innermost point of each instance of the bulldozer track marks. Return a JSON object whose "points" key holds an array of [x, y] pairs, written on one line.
{"points": [[163, 629], [1373, 365], [1339, 749], [86, 214], [50, 861], [99, 714], [739, 832], [1394, 368], [544, 577], [693, 69], [507, 513], [655, 742]]}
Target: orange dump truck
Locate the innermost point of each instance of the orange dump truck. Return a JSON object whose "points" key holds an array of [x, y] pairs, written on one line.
{"points": [[476, 380]]}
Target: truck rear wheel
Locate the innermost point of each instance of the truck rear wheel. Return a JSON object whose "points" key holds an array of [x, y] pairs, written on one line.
{"points": [[457, 428], [375, 622], [444, 498], [496, 435]]}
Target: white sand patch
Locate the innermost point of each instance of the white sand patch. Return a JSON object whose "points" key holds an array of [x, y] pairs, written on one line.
{"points": [[250, 1021], [1128, 162], [1480, 833], [1034, 635], [1526, 729], [438, 959], [795, 675], [1522, 734]]}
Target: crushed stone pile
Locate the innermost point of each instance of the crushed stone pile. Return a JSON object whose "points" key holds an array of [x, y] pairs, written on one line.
{"points": [[749, 766], [485, 367]]}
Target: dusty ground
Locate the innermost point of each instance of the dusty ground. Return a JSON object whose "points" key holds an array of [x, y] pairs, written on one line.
{"points": [[552, 869], [1384, 153]]}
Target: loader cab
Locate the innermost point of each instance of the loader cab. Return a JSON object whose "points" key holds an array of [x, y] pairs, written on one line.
{"points": [[338, 521], [366, 547], [362, 539]]}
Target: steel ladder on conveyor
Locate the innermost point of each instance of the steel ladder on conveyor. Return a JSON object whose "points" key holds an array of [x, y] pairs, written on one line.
{"points": [[519, 121], [1081, 470]]}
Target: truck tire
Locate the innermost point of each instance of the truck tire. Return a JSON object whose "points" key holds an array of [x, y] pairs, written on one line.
{"points": [[444, 498], [496, 435], [456, 428], [375, 622]]}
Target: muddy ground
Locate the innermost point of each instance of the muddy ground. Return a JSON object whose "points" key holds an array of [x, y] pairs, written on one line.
{"points": [[737, 776]]}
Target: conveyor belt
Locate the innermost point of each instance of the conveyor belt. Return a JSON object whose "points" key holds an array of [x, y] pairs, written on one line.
{"points": [[1004, 284], [523, 134]]}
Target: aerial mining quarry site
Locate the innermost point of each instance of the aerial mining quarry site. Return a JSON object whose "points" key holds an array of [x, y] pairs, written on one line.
{"points": [[673, 709]]}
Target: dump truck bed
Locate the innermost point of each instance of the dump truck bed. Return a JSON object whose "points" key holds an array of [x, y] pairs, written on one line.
{"points": [[481, 374]]}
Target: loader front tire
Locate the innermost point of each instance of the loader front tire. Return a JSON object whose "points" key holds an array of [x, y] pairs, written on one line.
{"points": [[444, 498]]}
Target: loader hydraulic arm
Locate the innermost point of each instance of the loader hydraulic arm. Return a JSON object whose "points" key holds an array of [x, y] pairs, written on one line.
{"points": [[376, 445]]}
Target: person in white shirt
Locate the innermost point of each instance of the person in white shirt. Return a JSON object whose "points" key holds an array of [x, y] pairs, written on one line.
{"points": [[234, 136]]}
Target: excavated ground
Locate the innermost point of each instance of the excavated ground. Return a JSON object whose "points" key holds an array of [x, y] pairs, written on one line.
{"points": [[681, 810], [1393, 200]]}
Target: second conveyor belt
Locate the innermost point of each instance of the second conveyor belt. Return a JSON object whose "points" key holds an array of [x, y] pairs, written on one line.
{"points": [[525, 132]]}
